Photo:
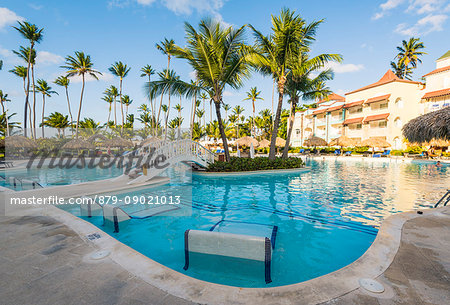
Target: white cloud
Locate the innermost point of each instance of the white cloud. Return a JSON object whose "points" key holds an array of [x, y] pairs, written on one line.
{"points": [[8, 17], [47, 58], [425, 6], [106, 77], [426, 25], [192, 75], [345, 68], [386, 6], [228, 93], [35, 6], [145, 2]]}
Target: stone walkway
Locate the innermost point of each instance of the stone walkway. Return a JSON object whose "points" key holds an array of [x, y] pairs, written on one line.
{"points": [[44, 262]]}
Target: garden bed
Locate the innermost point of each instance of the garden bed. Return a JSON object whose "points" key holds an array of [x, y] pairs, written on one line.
{"points": [[255, 164]]}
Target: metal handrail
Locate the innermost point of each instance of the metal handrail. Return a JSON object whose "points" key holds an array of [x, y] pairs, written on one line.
{"points": [[446, 197]]}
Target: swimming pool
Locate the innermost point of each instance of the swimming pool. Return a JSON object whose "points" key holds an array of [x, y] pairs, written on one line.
{"points": [[59, 176], [326, 218]]}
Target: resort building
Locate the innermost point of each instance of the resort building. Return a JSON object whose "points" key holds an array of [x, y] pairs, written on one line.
{"points": [[437, 91], [376, 110]]}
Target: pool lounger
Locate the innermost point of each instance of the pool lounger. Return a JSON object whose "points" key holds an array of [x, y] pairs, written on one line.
{"points": [[231, 245]]}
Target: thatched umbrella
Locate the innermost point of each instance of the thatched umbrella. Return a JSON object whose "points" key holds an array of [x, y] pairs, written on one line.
{"points": [[315, 141], [245, 141], [430, 126], [99, 140], [343, 141], [120, 142], [150, 140], [375, 142], [78, 144], [438, 143], [264, 143], [19, 142], [279, 142]]}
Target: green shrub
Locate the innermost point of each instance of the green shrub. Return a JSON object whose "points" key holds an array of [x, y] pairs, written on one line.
{"points": [[414, 150], [258, 163], [397, 152]]}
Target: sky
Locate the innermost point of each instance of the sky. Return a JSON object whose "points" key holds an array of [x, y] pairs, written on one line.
{"points": [[365, 33]]}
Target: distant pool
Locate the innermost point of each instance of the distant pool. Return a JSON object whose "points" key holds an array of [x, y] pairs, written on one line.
{"points": [[327, 218], [57, 176]]}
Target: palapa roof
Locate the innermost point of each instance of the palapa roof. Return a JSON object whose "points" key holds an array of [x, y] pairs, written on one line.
{"points": [[264, 143], [375, 142], [245, 141], [315, 141], [119, 142], [19, 142], [431, 126], [78, 144], [343, 141], [280, 142], [150, 140]]}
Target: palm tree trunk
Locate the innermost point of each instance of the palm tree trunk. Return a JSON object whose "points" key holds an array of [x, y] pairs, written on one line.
{"points": [[79, 108], [121, 104], [167, 114], [109, 115], [253, 118], [290, 124], [276, 122], [115, 112], [34, 102], [160, 106], [151, 102], [221, 129], [273, 94], [6, 118], [43, 109], [68, 106], [27, 93]]}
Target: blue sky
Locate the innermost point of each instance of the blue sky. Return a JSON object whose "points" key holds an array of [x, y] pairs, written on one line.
{"points": [[364, 32]]}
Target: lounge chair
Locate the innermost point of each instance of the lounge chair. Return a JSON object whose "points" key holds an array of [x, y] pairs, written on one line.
{"points": [[301, 151], [376, 155], [348, 153], [337, 152], [386, 153], [6, 164]]}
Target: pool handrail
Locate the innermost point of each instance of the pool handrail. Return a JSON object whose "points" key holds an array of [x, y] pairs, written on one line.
{"points": [[446, 197]]}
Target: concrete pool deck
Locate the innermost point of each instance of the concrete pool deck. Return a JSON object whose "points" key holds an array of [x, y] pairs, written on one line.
{"points": [[45, 259]]}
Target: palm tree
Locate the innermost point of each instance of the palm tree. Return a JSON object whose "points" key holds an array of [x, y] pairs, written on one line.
{"points": [[34, 35], [29, 56], [80, 65], [1, 64], [120, 70], [165, 109], [253, 95], [218, 57], [109, 99], [237, 111], [149, 71], [178, 108], [401, 71], [64, 81], [308, 82], [227, 108], [45, 90], [4, 99], [127, 101], [167, 47], [275, 53], [57, 120], [21, 71], [90, 127], [145, 117], [409, 53], [113, 93], [7, 124]]}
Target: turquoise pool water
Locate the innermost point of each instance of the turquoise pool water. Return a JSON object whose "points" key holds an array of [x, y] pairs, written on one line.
{"points": [[57, 176], [327, 218]]}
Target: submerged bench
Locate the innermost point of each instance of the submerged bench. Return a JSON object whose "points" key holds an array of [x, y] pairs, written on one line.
{"points": [[257, 248]]}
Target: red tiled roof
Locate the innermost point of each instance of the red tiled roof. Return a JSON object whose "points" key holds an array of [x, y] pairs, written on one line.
{"points": [[352, 121], [332, 97], [320, 111], [354, 104], [335, 108], [437, 93], [377, 117], [437, 71], [388, 77], [378, 99]]}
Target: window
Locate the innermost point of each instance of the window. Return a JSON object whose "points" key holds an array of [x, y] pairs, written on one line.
{"points": [[297, 132], [356, 110], [382, 124], [398, 123], [399, 103], [383, 106], [358, 126]]}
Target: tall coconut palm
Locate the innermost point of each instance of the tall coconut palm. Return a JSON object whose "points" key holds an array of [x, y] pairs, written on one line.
{"points": [[218, 57], [1, 64], [114, 93], [127, 101], [80, 65], [401, 71], [306, 81], [149, 71], [109, 99], [34, 35], [275, 53], [227, 108], [253, 95], [167, 47], [120, 70], [29, 55], [21, 71], [165, 109], [237, 111], [46, 91], [64, 81], [3, 99], [409, 53], [57, 120]]}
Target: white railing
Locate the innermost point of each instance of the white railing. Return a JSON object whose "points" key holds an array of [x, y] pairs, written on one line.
{"points": [[173, 151]]}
